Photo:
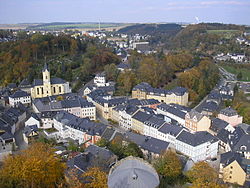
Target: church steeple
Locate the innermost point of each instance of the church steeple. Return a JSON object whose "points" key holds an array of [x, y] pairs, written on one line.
{"points": [[46, 74], [45, 67]]}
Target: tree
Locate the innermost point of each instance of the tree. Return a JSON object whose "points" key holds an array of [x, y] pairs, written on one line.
{"points": [[239, 76], [96, 178], [37, 166], [203, 176], [126, 81], [111, 71], [169, 166], [132, 149], [59, 98]]}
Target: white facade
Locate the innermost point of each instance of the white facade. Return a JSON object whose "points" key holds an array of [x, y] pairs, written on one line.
{"points": [[100, 80], [238, 58], [198, 153], [166, 137], [47, 123], [24, 100], [125, 120], [150, 131], [32, 121], [180, 120], [65, 131]]}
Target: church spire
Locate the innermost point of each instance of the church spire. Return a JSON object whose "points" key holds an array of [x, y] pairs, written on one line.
{"points": [[45, 67]]}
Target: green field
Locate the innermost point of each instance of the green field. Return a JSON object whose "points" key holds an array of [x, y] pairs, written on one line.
{"points": [[225, 33], [245, 72], [62, 26]]}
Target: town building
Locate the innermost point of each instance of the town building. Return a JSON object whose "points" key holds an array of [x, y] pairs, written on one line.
{"points": [[81, 130], [198, 146], [73, 104], [19, 97], [104, 106], [91, 157], [138, 120], [234, 169], [231, 116], [30, 133], [175, 112], [49, 86], [100, 80], [33, 120], [178, 95], [195, 121]]}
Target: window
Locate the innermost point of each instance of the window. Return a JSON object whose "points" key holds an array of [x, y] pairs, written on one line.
{"points": [[54, 88], [42, 90], [60, 90], [37, 90], [231, 167]]}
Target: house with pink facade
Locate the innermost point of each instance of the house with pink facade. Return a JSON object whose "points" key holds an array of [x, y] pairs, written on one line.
{"points": [[231, 116]]}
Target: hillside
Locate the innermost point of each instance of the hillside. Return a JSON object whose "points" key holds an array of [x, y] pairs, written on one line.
{"points": [[74, 25], [151, 29]]}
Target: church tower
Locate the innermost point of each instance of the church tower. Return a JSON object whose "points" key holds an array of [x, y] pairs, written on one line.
{"points": [[46, 81], [46, 74]]}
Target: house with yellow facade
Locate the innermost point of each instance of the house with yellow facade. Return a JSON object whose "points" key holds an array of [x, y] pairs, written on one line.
{"points": [[196, 121], [178, 95], [234, 168], [138, 120], [49, 86]]}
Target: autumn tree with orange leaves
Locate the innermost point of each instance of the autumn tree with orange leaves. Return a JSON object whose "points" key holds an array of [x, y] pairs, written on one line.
{"points": [[37, 166]]}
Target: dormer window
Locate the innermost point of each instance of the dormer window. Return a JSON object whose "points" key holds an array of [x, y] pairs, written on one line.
{"points": [[244, 148]]}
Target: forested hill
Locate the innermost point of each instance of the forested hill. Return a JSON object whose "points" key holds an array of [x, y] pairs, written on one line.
{"points": [[151, 29], [69, 58]]}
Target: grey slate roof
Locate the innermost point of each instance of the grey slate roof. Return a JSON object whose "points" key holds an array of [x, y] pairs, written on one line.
{"points": [[92, 156], [7, 136], [194, 114], [243, 141], [228, 111], [19, 94], [218, 124], [24, 83], [144, 86], [210, 106], [170, 109], [171, 129], [228, 157], [46, 104], [154, 122], [147, 143], [179, 91], [223, 135], [29, 129], [82, 124], [197, 138], [123, 66], [133, 173], [234, 137], [141, 116], [111, 102], [39, 82]]}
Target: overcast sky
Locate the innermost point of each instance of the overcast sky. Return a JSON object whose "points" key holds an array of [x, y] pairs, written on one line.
{"points": [[33, 11]]}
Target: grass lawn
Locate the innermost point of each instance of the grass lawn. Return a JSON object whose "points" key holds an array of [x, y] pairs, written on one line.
{"points": [[245, 72]]}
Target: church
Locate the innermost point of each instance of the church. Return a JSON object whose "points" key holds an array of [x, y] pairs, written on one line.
{"points": [[49, 86]]}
